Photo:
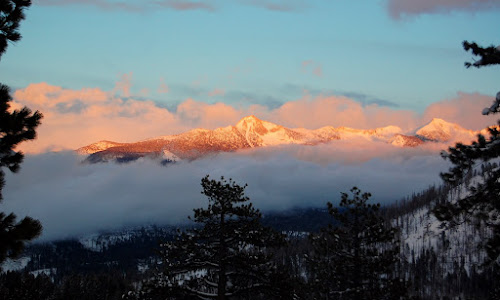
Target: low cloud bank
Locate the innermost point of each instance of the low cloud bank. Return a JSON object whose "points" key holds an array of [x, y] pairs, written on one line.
{"points": [[72, 199]]}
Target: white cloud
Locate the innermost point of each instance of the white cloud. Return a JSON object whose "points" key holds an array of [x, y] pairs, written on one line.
{"points": [[75, 118], [72, 199], [402, 8]]}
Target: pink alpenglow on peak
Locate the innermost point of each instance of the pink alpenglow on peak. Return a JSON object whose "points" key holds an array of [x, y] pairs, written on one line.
{"points": [[440, 130], [252, 132]]}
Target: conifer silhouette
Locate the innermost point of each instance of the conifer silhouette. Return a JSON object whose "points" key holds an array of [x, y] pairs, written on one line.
{"points": [[481, 204], [16, 126]]}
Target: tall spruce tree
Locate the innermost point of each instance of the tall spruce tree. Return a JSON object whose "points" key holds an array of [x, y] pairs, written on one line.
{"points": [[16, 126], [227, 256], [481, 205], [355, 257]]}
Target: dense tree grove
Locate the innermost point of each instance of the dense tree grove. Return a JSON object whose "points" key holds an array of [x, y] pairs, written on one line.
{"points": [[16, 126], [355, 259], [481, 204], [439, 265], [227, 255]]}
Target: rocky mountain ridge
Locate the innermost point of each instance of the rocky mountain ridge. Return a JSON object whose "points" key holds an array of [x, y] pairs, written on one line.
{"points": [[251, 132]]}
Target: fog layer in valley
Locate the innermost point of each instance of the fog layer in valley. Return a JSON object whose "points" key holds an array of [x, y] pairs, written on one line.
{"points": [[71, 198]]}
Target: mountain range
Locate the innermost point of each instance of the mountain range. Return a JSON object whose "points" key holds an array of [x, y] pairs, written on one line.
{"points": [[251, 132]]}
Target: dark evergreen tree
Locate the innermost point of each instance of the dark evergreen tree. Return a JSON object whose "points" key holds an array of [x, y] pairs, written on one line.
{"points": [[105, 286], [355, 258], [18, 285], [11, 13], [227, 255], [481, 205], [16, 126], [489, 55]]}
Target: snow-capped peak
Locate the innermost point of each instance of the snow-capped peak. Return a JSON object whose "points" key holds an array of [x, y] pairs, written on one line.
{"points": [[440, 130], [249, 119], [263, 133], [440, 122], [251, 122], [252, 132]]}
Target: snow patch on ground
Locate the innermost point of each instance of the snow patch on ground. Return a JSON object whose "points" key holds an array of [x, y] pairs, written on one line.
{"points": [[49, 272], [15, 264], [422, 231]]}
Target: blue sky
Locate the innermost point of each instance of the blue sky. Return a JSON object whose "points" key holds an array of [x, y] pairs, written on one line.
{"points": [[257, 52], [127, 70]]}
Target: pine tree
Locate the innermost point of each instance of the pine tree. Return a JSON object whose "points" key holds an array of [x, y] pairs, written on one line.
{"points": [[354, 259], [16, 126], [227, 256], [482, 203], [23, 285]]}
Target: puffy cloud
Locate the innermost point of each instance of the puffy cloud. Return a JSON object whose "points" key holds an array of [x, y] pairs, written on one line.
{"points": [[200, 114], [75, 118], [340, 111], [401, 8], [71, 198], [464, 110]]}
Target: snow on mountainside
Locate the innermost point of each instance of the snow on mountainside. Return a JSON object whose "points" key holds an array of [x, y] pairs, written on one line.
{"points": [[260, 133], [251, 132], [431, 259], [402, 140], [99, 146], [421, 231], [440, 130], [379, 133]]}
